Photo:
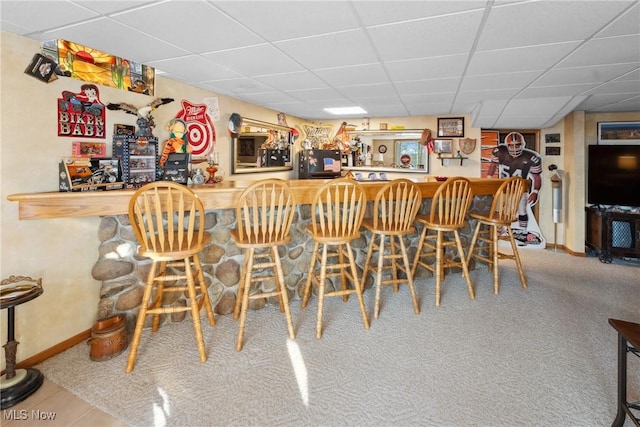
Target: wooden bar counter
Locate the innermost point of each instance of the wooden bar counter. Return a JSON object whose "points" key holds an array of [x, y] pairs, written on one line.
{"points": [[222, 195], [120, 270]]}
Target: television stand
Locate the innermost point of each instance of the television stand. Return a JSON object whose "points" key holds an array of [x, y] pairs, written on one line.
{"points": [[613, 233]]}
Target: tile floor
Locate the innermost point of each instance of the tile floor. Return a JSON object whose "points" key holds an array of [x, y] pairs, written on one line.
{"points": [[53, 406]]}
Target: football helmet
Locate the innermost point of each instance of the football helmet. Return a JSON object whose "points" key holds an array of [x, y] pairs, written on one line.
{"points": [[515, 143]]}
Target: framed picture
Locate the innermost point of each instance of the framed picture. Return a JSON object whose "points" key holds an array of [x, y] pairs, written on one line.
{"points": [[619, 132], [552, 138], [552, 151], [451, 126], [442, 146]]}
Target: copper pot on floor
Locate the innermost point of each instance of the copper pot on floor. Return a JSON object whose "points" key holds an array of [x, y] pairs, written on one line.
{"points": [[108, 338]]}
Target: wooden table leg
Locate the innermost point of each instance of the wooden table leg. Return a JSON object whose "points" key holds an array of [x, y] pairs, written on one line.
{"points": [[622, 382]]}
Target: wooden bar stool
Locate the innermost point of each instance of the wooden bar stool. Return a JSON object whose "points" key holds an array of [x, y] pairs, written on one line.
{"points": [[394, 211], [449, 208], [337, 210], [264, 213], [168, 220], [503, 212]]}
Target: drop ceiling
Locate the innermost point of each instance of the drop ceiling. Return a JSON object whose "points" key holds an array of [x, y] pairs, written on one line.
{"points": [[507, 64]]}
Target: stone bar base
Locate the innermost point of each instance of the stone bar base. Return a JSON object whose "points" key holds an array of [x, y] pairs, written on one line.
{"points": [[123, 274]]}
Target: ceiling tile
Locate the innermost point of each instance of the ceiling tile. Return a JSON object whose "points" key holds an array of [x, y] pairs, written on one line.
{"points": [[269, 98], [257, 60], [364, 91], [614, 50], [283, 20], [293, 81], [388, 110], [416, 87], [120, 44], [514, 60], [595, 74], [448, 35], [241, 86], [314, 95], [535, 106], [108, 7], [194, 69], [562, 90], [617, 87], [439, 98], [499, 81], [427, 68], [312, 52], [430, 109], [203, 29], [396, 58], [49, 14], [543, 22], [356, 74], [628, 23], [384, 12]]}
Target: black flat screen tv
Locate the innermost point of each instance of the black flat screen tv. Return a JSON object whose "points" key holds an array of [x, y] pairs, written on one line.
{"points": [[613, 176]]}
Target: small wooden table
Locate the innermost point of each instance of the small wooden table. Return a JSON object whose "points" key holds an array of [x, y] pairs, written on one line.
{"points": [[17, 384], [628, 341]]}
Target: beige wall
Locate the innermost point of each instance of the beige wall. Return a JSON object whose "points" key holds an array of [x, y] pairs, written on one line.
{"points": [[63, 251]]}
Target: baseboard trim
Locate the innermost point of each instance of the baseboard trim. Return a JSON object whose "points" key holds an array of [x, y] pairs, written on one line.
{"points": [[56, 349], [551, 246]]}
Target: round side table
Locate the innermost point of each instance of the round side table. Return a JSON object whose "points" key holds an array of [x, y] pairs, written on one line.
{"points": [[17, 384]]}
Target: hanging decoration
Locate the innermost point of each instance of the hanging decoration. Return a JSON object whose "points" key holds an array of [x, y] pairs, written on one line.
{"points": [[42, 68], [81, 114], [91, 65], [467, 145], [145, 119], [316, 137], [235, 124], [426, 139], [342, 141], [201, 132]]}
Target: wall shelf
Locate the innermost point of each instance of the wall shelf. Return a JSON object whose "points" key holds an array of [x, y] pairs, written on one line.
{"points": [[451, 157]]}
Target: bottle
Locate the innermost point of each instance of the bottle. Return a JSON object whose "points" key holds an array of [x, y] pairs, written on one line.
{"points": [[197, 176]]}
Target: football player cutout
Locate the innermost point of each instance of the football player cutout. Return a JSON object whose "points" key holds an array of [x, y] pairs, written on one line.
{"points": [[512, 158]]}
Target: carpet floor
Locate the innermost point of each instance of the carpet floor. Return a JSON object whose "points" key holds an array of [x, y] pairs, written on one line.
{"points": [[541, 356]]}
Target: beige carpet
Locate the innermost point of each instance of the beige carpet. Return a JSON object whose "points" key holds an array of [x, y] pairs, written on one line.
{"points": [[544, 356]]}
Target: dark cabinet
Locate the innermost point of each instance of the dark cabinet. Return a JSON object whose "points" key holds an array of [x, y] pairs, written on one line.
{"points": [[613, 233]]}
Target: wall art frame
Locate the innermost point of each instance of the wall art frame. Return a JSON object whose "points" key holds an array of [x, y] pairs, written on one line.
{"points": [[452, 127], [443, 146], [610, 133]]}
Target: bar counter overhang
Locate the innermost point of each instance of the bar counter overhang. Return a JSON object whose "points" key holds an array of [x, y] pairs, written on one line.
{"points": [[222, 195]]}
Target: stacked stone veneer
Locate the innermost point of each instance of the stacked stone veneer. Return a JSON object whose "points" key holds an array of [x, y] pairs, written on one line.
{"points": [[123, 273]]}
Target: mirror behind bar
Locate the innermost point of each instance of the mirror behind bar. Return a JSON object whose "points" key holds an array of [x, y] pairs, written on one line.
{"points": [[391, 150], [261, 147]]}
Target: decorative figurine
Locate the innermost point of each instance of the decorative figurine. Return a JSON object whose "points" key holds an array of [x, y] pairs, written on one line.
{"points": [[145, 120], [177, 142]]}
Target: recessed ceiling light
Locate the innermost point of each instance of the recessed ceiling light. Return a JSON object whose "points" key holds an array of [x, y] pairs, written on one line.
{"points": [[339, 111]]}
